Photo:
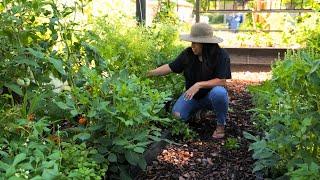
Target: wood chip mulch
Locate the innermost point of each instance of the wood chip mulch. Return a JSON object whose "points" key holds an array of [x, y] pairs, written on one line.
{"points": [[204, 157]]}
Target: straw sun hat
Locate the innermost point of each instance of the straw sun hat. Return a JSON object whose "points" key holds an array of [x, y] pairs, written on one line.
{"points": [[201, 33]]}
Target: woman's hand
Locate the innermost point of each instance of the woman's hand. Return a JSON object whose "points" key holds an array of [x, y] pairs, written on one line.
{"points": [[188, 95], [149, 74]]}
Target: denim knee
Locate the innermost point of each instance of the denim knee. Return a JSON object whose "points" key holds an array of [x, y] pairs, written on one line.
{"points": [[218, 94], [180, 115]]}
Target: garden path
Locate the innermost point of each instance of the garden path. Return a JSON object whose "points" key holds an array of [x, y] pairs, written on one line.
{"points": [[204, 158]]}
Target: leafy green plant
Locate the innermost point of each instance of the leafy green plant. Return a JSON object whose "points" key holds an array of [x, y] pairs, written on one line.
{"points": [[232, 143], [34, 30], [80, 161], [166, 13], [30, 155], [103, 112], [288, 111], [139, 49], [121, 112], [306, 171], [40, 154], [180, 128]]}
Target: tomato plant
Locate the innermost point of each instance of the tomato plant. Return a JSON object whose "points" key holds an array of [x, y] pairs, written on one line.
{"points": [[67, 93]]}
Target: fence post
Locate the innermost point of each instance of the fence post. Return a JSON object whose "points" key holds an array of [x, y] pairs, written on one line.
{"points": [[141, 11], [197, 11]]}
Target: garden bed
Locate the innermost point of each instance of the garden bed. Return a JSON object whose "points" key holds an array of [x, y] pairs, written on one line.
{"points": [[204, 158]]}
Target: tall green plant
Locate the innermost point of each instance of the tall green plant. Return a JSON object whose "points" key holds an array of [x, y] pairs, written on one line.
{"points": [[106, 110], [38, 40], [139, 49], [288, 110], [120, 112], [28, 35], [166, 13]]}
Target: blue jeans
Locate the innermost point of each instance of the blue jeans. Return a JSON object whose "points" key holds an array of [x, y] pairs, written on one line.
{"points": [[216, 100]]}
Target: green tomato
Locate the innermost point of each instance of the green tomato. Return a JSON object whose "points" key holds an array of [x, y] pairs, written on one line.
{"points": [[26, 81], [20, 82]]}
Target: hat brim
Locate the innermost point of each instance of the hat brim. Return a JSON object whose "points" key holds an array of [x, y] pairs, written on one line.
{"points": [[188, 37]]}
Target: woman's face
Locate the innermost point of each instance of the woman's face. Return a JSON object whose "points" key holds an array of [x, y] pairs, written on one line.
{"points": [[196, 48]]}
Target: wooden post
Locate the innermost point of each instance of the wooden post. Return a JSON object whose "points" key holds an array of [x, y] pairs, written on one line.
{"points": [[141, 11], [197, 11]]}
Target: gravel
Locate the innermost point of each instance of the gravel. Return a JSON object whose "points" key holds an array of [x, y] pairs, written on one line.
{"points": [[251, 76]]}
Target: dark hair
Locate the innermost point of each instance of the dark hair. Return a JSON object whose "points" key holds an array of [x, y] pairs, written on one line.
{"points": [[210, 51]]}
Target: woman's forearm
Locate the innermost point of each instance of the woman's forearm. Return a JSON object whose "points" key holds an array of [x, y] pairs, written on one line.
{"points": [[211, 83], [160, 71]]}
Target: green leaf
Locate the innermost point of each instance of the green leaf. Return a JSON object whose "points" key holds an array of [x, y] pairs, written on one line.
{"points": [[315, 67], [262, 154], [35, 101], [74, 112], [92, 113], [314, 167], [10, 171], [55, 156], [105, 87], [132, 157], [82, 136], [258, 167], [156, 133], [305, 56], [314, 79], [259, 145], [62, 105], [103, 149], [19, 158], [96, 127], [142, 163], [38, 154], [121, 119], [50, 173], [250, 136], [4, 154], [28, 62], [306, 122], [155, 138], [58, 65], [98, 158], [142, 136], [143, 143], [16, 178], [26, 166], [120, 142], [123, 74], [103, 105], [3, 166], [138, 149], [15, 88], [112, 157], [37, 177], [145, 113], [37, 54]]}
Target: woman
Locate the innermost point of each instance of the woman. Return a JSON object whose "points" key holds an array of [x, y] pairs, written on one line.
{"points": [[205, 67]]}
